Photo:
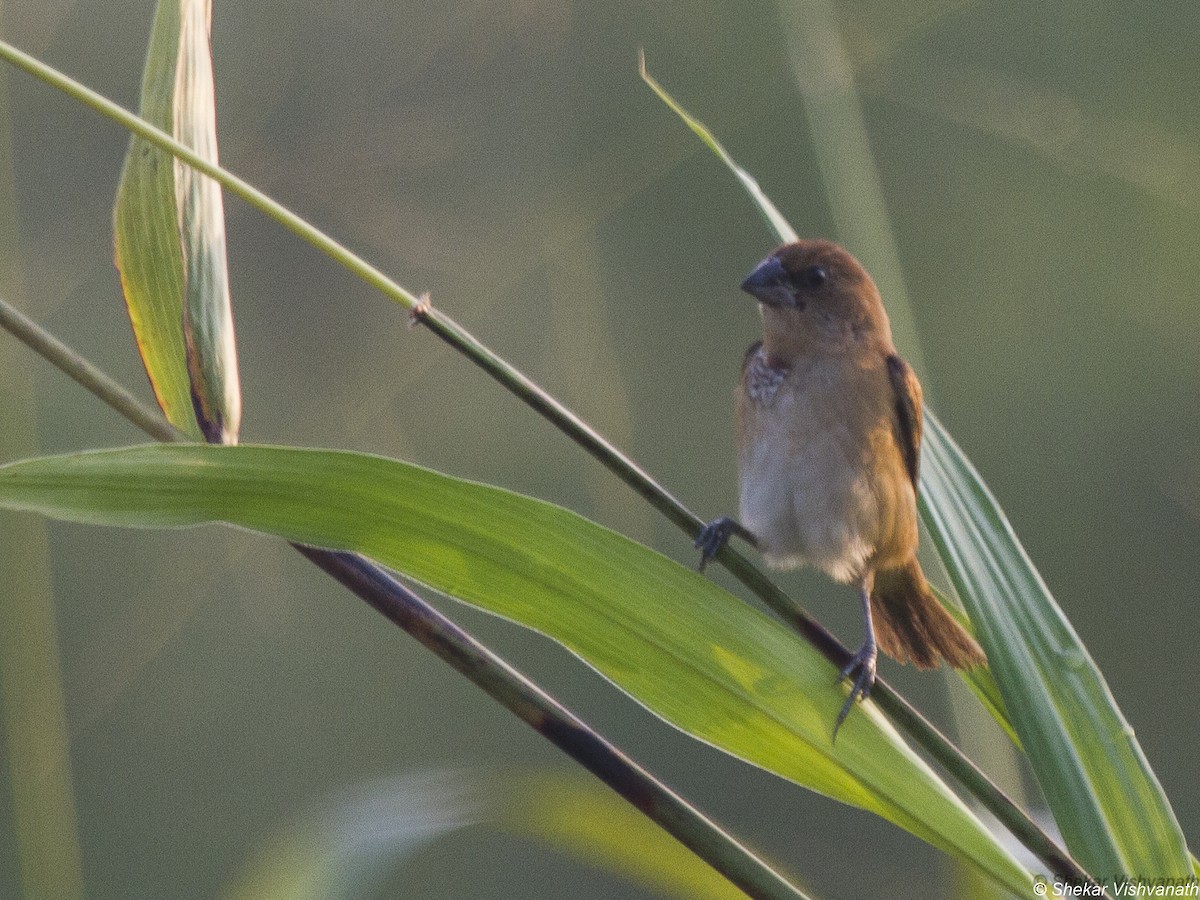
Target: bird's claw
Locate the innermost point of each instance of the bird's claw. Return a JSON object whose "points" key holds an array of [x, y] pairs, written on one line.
{"points": [[862, 669], [713, 537]]}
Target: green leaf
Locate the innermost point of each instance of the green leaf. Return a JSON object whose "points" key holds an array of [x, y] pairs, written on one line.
{"points": [[1108, 804], [169, 235], [677, 643], [1106, 800]]}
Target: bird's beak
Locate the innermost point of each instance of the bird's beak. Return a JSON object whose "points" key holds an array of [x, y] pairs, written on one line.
{"points": [[768, 284]]}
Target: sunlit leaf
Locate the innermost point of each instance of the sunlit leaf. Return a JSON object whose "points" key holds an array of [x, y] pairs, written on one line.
{"points": [[673, 640]]}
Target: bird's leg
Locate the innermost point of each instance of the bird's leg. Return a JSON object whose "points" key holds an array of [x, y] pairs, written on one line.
{"points": [[716, 534], [862, 666]]}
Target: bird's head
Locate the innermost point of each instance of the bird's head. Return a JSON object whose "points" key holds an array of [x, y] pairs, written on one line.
{"points": [[814, 295]]}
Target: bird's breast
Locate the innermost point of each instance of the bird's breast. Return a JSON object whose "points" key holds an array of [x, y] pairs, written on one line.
{"points": [[817, 483]]}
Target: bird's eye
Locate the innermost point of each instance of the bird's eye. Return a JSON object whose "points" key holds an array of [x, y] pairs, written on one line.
{"points": [[813, 276]]}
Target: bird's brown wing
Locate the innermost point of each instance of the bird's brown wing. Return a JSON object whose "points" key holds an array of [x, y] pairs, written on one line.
{"points": [[908, 413]]}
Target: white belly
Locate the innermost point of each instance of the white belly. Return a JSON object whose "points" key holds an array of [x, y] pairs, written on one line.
{"points": [[806, 494]]}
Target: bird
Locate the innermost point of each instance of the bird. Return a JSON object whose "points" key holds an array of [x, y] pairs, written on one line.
{"points": [[829, 422]]}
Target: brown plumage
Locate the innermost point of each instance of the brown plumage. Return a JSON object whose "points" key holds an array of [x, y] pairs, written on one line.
{"points": [[912, 626], [829, 438]]}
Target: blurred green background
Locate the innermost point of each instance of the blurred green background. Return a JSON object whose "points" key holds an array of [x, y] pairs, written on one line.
{"points": [[1040, 164]]}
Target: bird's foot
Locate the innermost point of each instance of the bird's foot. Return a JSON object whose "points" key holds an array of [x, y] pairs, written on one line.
{"points": [[862, 669], [715, 535]]}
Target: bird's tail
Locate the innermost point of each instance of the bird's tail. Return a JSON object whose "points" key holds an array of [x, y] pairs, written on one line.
{"points": [[912, 626]]}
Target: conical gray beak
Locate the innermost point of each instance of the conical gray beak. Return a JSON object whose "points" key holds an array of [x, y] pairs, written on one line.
{"points": [[768, 283]]}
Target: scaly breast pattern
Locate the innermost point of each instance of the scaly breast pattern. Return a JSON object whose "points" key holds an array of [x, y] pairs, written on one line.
{"points": [[822, 479]]}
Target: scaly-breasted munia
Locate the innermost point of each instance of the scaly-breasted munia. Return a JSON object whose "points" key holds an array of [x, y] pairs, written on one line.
{"points": [[829, 434]]}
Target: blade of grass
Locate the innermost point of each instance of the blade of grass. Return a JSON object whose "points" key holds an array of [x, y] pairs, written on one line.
{"points": [[351, 844], [671, 639], [35, 744], [908, 718]]}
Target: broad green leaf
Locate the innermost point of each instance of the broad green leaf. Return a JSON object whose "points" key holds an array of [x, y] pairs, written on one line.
{"points": [[677, 643], [1107, 802], [169, 235]]}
